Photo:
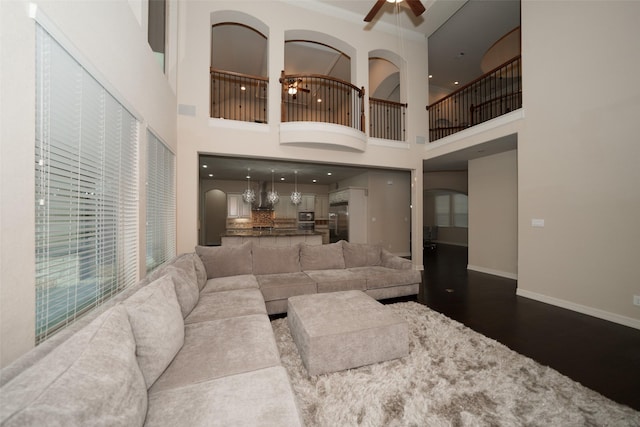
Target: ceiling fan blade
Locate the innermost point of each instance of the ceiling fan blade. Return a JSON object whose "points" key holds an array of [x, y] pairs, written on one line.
{"points": [[416, 7], [374, 10]]}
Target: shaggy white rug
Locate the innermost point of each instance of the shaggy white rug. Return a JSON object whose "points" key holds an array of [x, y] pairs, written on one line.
{"points": [[453, 376]]}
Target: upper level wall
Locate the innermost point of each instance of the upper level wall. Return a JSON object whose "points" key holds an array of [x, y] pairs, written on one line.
{"points": [[197, 133]]}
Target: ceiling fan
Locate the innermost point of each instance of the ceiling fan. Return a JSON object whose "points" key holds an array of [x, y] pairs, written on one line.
{"points": [[416, 7], [294, 87]]}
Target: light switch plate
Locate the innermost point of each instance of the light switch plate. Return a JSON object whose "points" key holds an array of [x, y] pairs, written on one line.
{"points": [[536, 222]]}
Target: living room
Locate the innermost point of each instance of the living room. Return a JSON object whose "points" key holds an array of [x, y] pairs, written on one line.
{"points": [[575, 152]]}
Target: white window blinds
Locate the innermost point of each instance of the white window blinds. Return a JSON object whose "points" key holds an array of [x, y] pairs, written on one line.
{"points": [[443, 210], [161, 203], [86, 190]]}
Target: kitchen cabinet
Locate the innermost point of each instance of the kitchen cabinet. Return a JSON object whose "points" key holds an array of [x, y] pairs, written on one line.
{"points": [[322, 207], [308, 203], [236, 207], [285, 209]]}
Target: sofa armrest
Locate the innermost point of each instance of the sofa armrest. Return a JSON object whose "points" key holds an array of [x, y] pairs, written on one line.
{"points": [[390, 260]]}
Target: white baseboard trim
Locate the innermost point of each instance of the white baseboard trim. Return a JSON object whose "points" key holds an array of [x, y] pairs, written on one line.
{"points": [[590, 311], [500, 273]]}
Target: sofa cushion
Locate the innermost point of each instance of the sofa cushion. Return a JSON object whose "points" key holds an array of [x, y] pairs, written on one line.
{"points": [[201, 271], [230, 283], [158, 326], [92, 376], [360, 254], [187, 292], [337, 280], [390, 260], [277, 259], [225, 304], [223, 261], [383, 277], [283, 286], [321, 257], [263, 397], [218, 348]]}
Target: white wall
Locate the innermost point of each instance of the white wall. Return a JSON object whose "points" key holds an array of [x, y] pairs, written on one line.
{"points": [[196, 133], [107, 38], [493, 214], [578, 156], [389, 211]]}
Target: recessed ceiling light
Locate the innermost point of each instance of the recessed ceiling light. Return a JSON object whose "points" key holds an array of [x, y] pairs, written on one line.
{"points": [[315, 180], [456, 82], [329, 174], [430, 76], [210, 175], [319, 100], [243, 88], [282, 178], [205, 166]]}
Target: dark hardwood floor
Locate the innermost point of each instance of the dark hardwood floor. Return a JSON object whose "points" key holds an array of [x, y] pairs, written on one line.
{"points": [[601, 355]]}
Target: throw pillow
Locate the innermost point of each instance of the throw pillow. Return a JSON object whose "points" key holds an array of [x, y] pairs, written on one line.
{"points": [[321, 257], [361, 255], [187, 291], [273, 260], [92, 377], [223, 261], [158, 326]]}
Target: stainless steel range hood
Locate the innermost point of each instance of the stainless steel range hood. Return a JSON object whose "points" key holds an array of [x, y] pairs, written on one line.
{"points": [[261, 203]]}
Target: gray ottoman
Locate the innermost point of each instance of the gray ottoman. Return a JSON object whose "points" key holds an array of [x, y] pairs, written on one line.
{"points": [[341, 330]]}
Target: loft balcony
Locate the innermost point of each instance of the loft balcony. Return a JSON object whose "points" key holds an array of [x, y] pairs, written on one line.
{"points": [[491, 95], [237, 96], [315, 109], [319, 98], [387, 119]]}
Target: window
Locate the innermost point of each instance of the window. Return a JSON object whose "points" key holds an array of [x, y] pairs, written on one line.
{"points": [[443, 210], [161, 203], [460, 210], [86, 190], [157, 27], [452, 210]]}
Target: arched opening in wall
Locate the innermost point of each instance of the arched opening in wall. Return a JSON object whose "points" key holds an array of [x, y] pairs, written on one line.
{"points": [[239, 73], [316, 84], [214, 217], [387, 115]]}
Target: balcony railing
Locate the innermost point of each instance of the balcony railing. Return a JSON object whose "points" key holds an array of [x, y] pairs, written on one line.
{"points": [[318, 98], [237, 96], [387, 119], [493, 94]]}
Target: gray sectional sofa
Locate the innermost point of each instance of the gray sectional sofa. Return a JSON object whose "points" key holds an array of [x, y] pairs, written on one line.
{"points": [[283, 272], [191, 344]]}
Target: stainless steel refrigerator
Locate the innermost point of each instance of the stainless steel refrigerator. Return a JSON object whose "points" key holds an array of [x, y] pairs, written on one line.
{"points": [[338, 222]]}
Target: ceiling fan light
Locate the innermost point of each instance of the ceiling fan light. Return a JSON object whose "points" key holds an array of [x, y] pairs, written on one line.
{"points": [[292, 90]]}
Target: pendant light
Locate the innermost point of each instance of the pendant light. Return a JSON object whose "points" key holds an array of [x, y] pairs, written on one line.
{"points": [[296, 196], [249, 195], [272, 196]]}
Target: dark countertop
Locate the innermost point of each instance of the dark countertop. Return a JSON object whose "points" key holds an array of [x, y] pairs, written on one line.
{"points": [[268, 233]]}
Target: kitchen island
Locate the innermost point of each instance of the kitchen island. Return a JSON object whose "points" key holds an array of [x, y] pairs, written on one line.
{"points": [[270, 237]]}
